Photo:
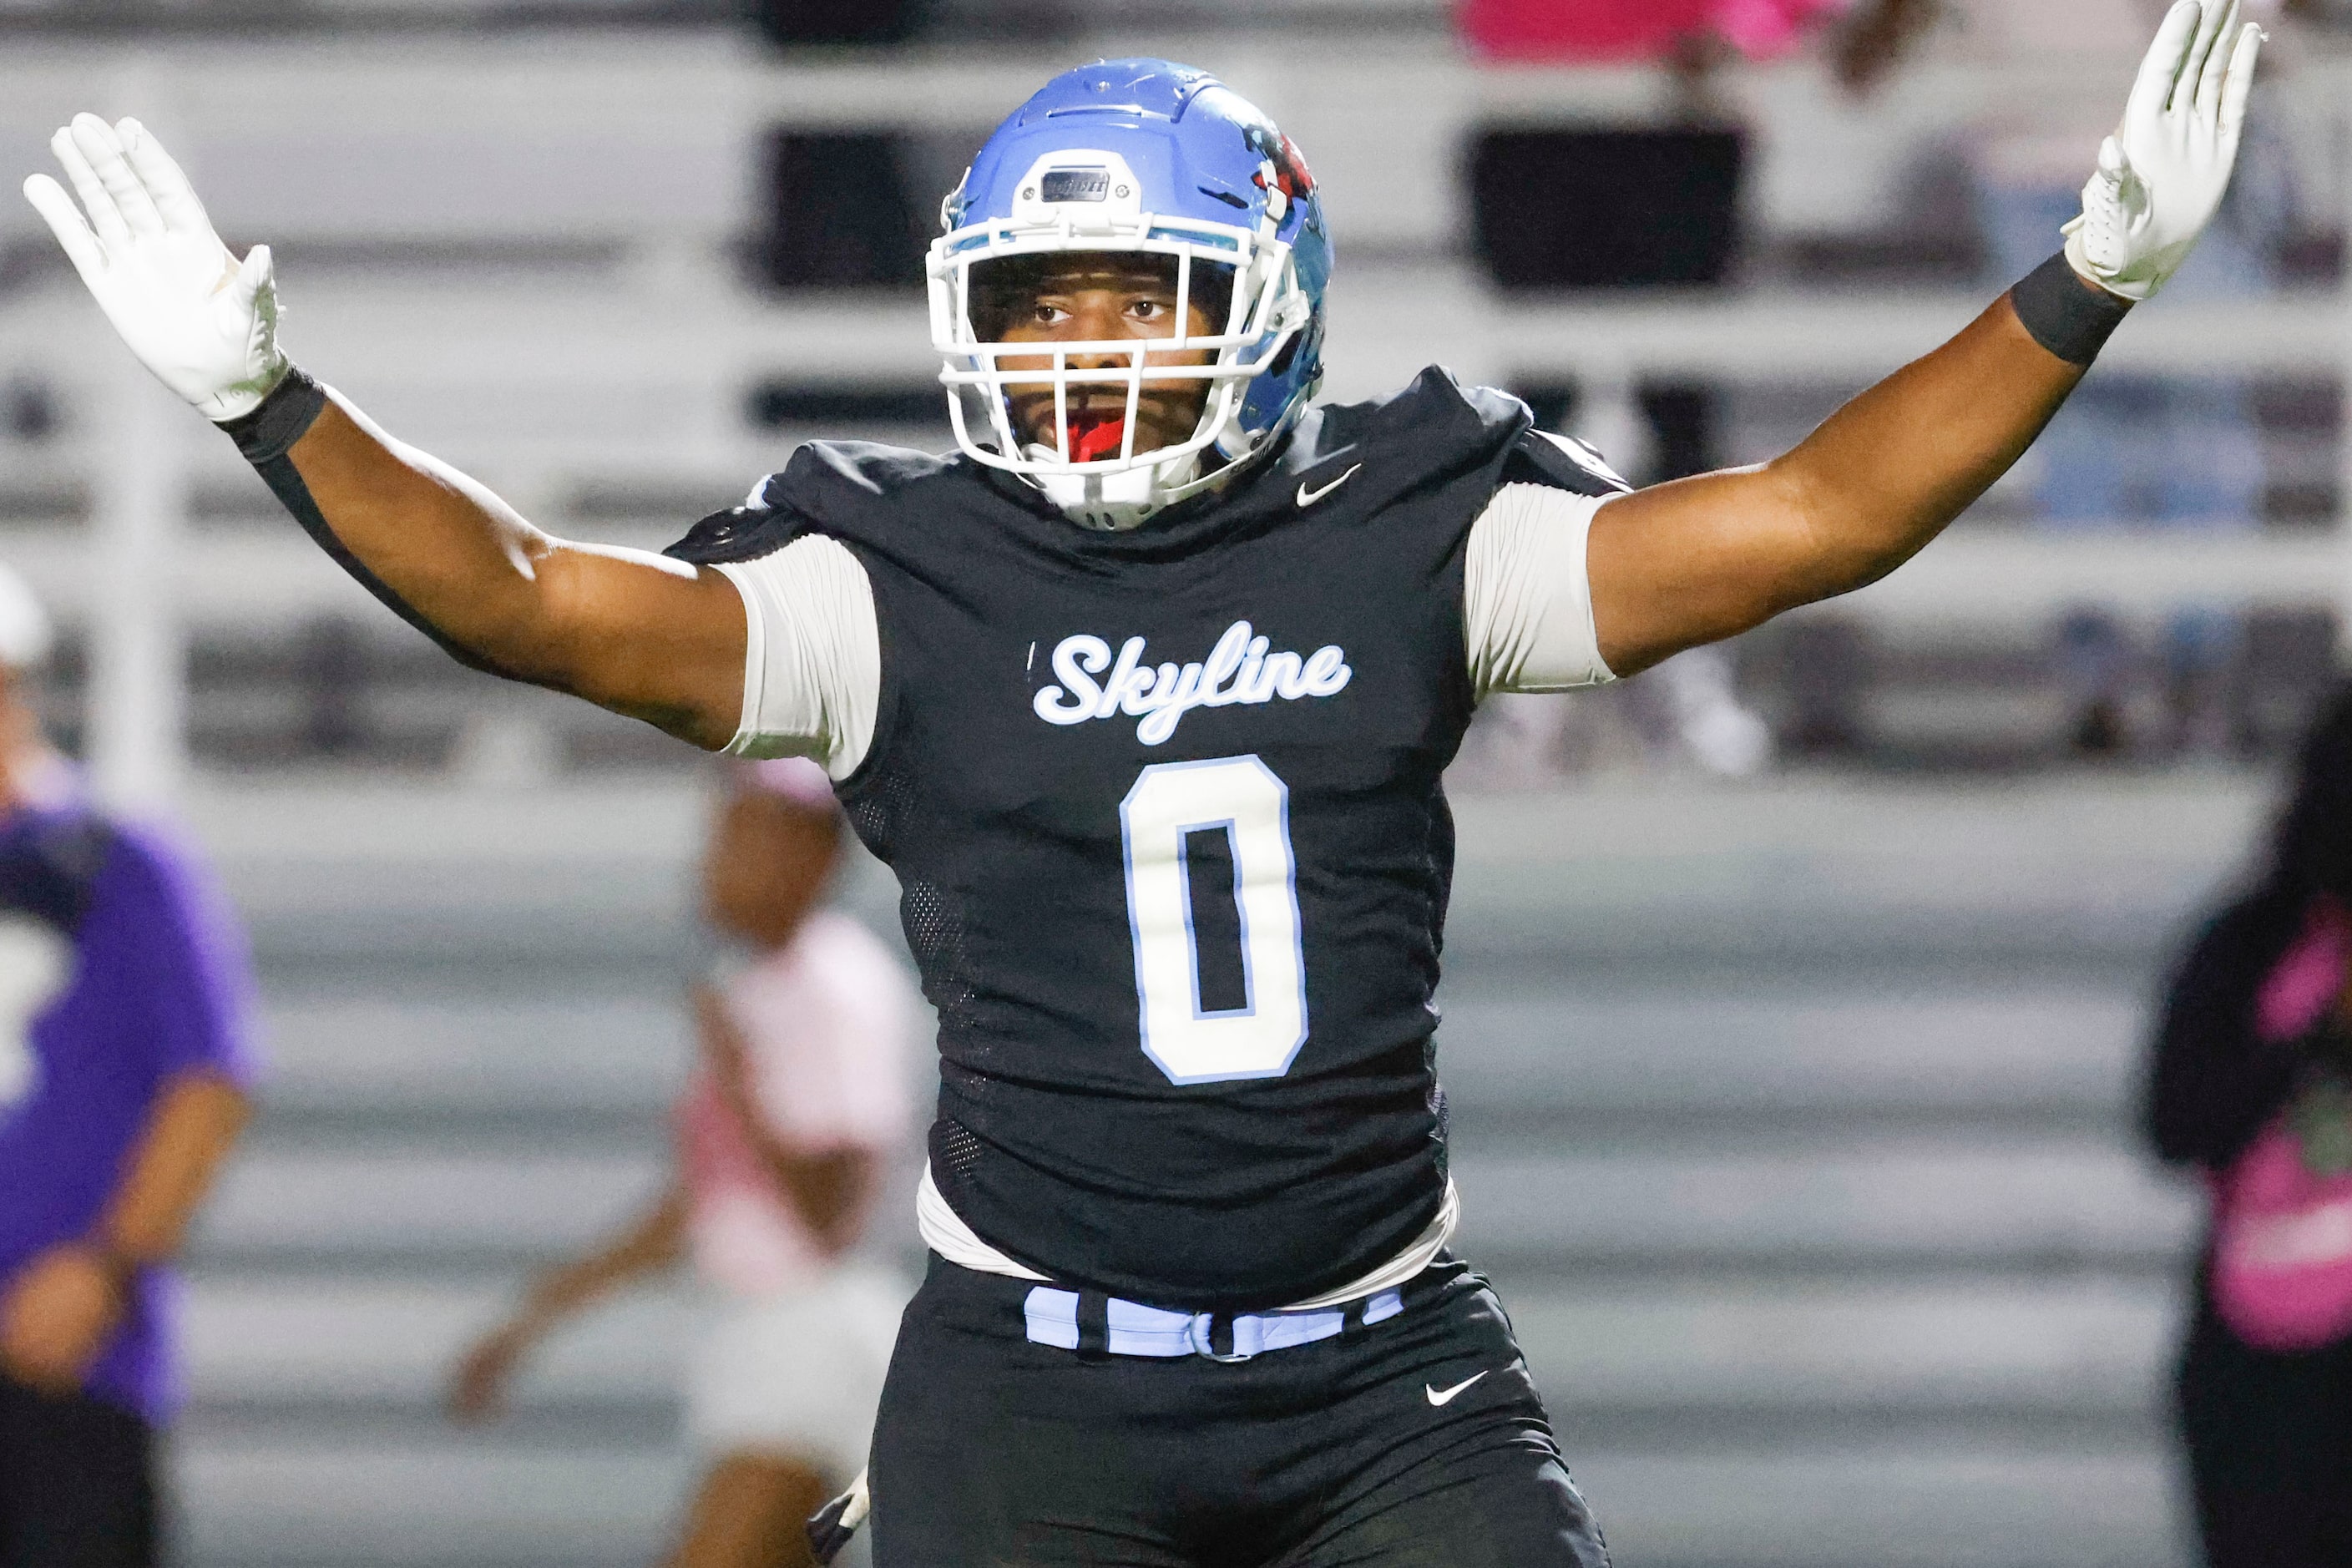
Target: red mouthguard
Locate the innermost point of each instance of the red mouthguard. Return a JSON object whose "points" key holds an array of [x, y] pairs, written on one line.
{"points": [[1089, 441]]}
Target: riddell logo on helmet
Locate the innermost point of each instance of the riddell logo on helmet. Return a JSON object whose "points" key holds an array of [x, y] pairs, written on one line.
{"points": [[1074, 185], [1241, 668]]}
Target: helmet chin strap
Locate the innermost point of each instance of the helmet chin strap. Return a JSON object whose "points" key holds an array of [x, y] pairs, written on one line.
{"points": [[1113, 503]]}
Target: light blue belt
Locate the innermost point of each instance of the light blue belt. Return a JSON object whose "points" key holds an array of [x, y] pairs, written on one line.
{"points": [[1131, 1328]]}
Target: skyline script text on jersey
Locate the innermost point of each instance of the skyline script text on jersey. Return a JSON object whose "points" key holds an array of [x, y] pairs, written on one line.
{"points": [[1242, 666]]}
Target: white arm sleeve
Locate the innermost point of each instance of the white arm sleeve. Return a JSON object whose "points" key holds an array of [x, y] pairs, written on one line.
{"points": [[1527, 603], [812, 655]]}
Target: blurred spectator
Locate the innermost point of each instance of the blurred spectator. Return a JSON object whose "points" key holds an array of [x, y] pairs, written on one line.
{"points": [[783, 1136], [1636, 29], [124, 1062], [2252, 1085], [2180, 451], [1581, 205], [1629, 206]]}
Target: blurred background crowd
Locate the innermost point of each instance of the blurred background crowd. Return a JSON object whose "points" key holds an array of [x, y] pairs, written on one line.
{"points": [[1801, 992]]}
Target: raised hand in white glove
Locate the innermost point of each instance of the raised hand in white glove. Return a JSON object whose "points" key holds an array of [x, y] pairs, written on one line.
{"points": [[2162, 174], [206, 324]]}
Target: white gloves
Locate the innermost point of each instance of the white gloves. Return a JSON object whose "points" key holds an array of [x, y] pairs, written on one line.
{"points": [[2161, 175], [204, 324]]}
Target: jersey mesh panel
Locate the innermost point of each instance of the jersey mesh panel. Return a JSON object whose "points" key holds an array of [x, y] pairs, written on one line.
{"points": [[936, 936], [934, 930], [955, 1152], [878, 813]]}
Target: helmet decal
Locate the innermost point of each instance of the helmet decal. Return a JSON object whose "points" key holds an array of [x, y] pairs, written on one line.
{"points": [[1290, 171]]}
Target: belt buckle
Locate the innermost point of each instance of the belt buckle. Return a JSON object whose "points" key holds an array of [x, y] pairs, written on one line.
{"points": [[1202, 1332]]}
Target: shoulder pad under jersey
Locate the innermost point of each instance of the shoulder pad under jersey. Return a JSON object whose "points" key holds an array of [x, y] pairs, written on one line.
{"points": [[785, 504], [1444, 420], [1562, 462]]}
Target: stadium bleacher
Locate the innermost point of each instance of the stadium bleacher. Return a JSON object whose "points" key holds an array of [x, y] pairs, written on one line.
{"points": [[1792, 1118], [524, 250], [1799, 1154]]}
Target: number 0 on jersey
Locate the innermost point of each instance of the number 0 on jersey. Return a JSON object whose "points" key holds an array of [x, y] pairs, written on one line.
{"points": [[1162, 821]]}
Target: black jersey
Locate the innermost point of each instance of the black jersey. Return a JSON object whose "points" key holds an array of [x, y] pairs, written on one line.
{"points": [[1165, 810]]}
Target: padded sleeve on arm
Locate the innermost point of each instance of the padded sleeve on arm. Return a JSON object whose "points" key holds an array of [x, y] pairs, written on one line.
{"points": [[813, 659], [266, 436], [1527, 603]]}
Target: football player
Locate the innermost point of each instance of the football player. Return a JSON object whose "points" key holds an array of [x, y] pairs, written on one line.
{"points": [[1146, 694]]}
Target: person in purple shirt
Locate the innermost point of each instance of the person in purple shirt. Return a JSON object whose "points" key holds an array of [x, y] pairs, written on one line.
{"points": [[125, 1061]]}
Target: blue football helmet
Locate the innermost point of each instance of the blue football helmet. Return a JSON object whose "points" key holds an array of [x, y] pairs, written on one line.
{"points": [[1140, 156]]}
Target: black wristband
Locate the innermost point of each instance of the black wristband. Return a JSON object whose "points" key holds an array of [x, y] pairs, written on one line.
{"points": [[2070, 318], [269, 432]]}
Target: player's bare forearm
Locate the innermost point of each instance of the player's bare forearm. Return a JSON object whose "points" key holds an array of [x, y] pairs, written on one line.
{"points": [[631, 631], [644, 637], [1689, 563], [195, 1124], [652, 1243], [1701, 559], [1886, 473]]}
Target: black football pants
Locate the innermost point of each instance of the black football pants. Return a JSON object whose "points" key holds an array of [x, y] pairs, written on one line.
{"points": [[1415, 1442], [77, 1483]]}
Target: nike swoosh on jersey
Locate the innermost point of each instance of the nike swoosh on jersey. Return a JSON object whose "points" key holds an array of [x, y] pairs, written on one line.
{"points": [[1309, 496], [1445, 1395]]}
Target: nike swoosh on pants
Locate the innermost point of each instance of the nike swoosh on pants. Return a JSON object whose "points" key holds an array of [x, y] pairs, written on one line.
{"points": [[1444, 1395]]}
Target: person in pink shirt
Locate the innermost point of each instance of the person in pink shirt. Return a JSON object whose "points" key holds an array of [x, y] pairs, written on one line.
{"points": [[783, 1134], [2249, 1086], [1607, 30]]}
